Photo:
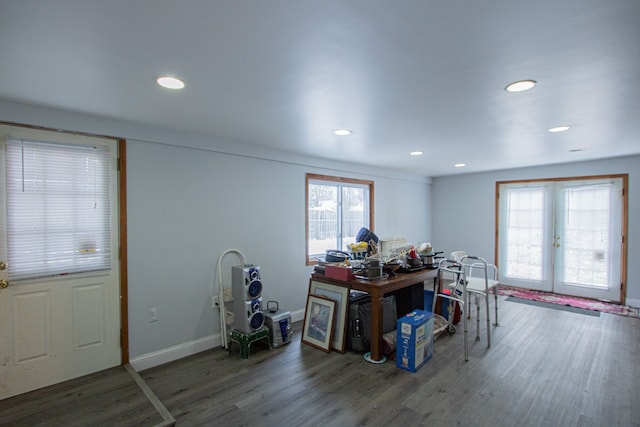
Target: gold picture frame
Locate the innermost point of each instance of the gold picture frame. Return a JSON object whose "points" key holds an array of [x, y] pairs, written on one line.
{"points": [[317, 330], [340, 294]]}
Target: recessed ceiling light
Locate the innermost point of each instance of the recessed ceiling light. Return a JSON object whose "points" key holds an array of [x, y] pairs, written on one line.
{"points": [[416, 153], [559, 129], [520, 86], [170, 82], [459, 165], [342, 132]]}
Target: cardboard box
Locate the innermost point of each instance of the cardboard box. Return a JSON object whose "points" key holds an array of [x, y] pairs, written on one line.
{"points": [[338, 273], [414, 345]]}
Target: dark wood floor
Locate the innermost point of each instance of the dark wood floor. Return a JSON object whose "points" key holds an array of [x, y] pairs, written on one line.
{"points": [[107, 398], [545, 368]]}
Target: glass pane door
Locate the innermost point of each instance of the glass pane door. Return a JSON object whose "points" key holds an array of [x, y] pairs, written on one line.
{"points": [[587, 240], [562, 236], [525, 221]]}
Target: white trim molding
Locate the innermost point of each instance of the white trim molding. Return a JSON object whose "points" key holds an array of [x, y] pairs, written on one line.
{"points": [[186, 349], [633, 302]]}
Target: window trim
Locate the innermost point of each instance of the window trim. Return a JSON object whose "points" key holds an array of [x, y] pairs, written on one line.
{"points": [[340, 180]]}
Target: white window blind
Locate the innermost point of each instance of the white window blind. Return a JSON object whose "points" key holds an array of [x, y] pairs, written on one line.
{"points": [[58, 212]]}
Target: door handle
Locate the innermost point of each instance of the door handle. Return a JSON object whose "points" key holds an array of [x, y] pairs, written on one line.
{"points": [[3, 265], [4, 283]]}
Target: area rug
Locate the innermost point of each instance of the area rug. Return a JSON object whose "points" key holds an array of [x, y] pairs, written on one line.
{"points": [[553, 306], [564, 300]]}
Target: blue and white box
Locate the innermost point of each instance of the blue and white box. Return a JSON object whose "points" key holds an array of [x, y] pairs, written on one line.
{"points": [[414, 345]]}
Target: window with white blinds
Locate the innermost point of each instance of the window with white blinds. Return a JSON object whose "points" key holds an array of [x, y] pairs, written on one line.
{"points": [[58, 209]]}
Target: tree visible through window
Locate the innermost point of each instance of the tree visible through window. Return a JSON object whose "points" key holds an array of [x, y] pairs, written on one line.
{"points": [[336, 209]]}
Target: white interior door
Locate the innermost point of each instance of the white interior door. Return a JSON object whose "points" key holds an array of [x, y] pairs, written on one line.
{"points": [[563, 237], [56, 326]]}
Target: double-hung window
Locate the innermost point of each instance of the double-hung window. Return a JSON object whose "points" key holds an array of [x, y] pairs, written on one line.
{"points": [[336, 209]]}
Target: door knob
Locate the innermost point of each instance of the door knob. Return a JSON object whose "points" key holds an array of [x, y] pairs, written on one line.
{"points": [[3, 265], [4, 283]]}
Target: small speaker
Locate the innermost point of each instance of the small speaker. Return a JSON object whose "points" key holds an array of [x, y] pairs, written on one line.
{"points": [[247, 298]]}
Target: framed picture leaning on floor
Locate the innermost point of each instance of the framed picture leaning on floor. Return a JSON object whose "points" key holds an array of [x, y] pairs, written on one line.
{"points": [[318, 322], [341, 296]]}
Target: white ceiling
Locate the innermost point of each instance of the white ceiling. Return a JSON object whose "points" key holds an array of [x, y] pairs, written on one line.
{"points": [[403, 75]]}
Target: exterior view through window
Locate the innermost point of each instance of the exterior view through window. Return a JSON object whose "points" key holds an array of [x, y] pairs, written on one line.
{"points": [[336, 208]]}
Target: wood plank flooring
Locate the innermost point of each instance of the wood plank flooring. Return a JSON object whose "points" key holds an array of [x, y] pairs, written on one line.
{"points": [[106, 398], [545, 368]]}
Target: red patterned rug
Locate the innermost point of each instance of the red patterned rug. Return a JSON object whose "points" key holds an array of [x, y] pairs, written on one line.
{"points": [[565, 300]]}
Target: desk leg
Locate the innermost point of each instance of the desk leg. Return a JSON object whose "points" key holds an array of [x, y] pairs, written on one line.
{"points": [[376, 356]]}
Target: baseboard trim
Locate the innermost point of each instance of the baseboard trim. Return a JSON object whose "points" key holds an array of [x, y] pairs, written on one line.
{"points": [[633, 302], [179, 351], [175, 352], [297, 316]]}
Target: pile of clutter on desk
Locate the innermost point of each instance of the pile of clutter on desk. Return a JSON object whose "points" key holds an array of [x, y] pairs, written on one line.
{"points": [[371, 258]]}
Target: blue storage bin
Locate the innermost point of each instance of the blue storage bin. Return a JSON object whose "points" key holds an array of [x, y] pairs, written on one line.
{"points": [[428, 300], [428, 305]]}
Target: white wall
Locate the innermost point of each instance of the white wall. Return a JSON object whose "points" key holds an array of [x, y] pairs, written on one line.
{"points": [[464, 208], [190, 198]]}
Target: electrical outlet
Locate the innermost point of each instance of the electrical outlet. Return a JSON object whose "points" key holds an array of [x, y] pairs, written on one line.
{"points": [[153, 314]]}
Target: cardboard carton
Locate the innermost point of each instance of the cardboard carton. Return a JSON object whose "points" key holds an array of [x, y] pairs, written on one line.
{"points": [[414, 345]]}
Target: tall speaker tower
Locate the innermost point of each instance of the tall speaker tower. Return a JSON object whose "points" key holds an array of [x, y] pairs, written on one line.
{"points": [[247, 298]]}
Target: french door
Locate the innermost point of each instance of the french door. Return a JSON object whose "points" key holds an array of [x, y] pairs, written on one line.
{"points": [[563, 236]]}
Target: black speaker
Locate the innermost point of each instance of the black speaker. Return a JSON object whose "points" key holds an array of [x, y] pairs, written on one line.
{"points": [[247, 298]]}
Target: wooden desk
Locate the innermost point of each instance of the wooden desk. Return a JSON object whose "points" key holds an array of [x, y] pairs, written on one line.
{"points": [[377, 290]]}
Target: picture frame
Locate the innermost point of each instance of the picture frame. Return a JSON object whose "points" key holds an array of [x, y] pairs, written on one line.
{"points": [[317, 330], [340, 294]]}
